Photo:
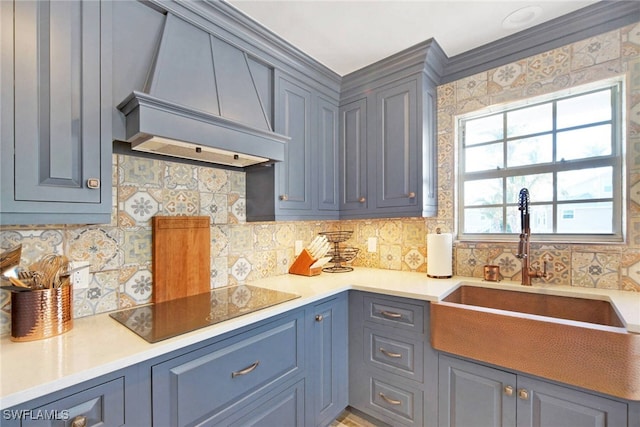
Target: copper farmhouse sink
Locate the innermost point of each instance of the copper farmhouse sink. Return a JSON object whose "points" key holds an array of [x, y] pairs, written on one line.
{"points": [[576, 341]]}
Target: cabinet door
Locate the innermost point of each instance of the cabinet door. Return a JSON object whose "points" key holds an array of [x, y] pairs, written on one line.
{"points": [[353, 156], [328, 367], [397, 146], [327, 145], [56, 145], [293, 175], [541, 404], [473, 395]]}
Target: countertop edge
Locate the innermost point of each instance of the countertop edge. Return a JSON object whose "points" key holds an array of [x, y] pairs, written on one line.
{"points": [[311, 289]]}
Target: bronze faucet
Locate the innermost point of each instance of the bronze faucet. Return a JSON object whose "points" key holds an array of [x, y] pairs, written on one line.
{"points": [[524, 245]]}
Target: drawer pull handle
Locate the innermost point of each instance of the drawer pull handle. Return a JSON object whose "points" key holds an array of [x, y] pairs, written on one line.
{"points": [[79, 421], [508, 390], [246, 370], [390, 354], [319, 317], [391, 314], [388, 400]]}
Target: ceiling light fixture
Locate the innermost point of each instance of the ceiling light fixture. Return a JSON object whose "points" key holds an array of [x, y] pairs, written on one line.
{"points": [[521, 17]]}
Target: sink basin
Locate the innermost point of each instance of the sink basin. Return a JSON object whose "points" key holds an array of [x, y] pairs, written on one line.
{"points": [[576, 341]]}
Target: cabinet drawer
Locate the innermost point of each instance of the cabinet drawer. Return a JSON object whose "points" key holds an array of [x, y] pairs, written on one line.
{"points": [[395, 313], [195, 386], [395, 400], [102, 405], [399, 355]]}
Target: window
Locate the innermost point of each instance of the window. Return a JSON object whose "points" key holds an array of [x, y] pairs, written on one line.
{"points": [[566, 149]]}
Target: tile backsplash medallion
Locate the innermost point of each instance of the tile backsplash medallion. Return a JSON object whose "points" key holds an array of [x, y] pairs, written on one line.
{"points": [[120, 252]]}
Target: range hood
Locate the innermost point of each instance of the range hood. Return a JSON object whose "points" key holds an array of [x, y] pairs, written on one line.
{"points": [[204, 100]]}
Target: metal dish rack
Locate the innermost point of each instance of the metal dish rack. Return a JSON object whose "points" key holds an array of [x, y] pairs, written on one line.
{"points": [[339, 254]]}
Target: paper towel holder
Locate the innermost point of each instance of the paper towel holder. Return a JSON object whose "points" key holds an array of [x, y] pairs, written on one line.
{"points": [[438, 231]]}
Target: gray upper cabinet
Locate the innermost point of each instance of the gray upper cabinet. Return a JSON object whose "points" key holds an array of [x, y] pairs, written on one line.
{"points": [[293, 118], [353, 156], [396, 150], [387, 137], [56, 117], [305, 184]]}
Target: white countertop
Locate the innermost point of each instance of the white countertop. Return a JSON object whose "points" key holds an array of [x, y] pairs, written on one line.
{"points": [[98, 345]]}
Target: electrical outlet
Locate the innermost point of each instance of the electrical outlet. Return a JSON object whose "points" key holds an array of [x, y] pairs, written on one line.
{"points": [[372, 244], [298, 247], [79, 278]]}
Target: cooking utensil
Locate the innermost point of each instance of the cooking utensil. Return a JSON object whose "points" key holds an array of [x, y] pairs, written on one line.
{"points": [[10, 258], [19, 283]]}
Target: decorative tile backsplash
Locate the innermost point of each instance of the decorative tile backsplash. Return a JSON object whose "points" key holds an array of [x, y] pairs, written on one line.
{"points": [[120, 252]]}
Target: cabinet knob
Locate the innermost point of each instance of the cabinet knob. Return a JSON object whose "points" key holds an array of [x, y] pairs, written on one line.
{"points": [[362, 199], [319, 318], [93, 183], [523, 394], [79, 421], [411, 195], [508, 390], [284, 197]]}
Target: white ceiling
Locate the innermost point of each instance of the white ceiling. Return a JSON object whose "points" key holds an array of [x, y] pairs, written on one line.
{"points": [[346, 35]]}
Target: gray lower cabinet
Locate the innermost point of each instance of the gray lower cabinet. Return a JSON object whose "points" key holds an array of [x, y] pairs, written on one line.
{"points": [[108, 401], [392, 368], [327, 385], [305, 184], [476, 395], [55, 112], [208, 385]]}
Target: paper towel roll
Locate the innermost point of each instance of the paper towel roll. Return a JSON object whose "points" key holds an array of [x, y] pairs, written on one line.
{"points": [[439, 255]]}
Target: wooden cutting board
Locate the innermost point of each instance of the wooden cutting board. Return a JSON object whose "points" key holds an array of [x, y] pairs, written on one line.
{"points": [[180, 256]]}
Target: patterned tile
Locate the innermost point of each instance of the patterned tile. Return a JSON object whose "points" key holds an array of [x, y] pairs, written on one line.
{"points": [[215, 206], [391, 257], [139, 286], [140, 172], [509, 76], [596, 270], [240, 240], [284, 236], [181, 202], [413, 233], [180, 176], [136, 245], [100, 297], [549, 65], [389, 231], [137, 206], [35, 243], [100, 247], [264, 236], [219, 272], [414, 259], [241, 269], [472, 87], [596, 50], [213, 180], [219, 241]]}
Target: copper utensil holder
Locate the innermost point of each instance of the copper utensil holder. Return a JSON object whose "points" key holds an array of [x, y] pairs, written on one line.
{"points": [[39, 314]]}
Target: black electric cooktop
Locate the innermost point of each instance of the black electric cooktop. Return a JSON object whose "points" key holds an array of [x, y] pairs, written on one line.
{"points": [[156, 322]]}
